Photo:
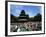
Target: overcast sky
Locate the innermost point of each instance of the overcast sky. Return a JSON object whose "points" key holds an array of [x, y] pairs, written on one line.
{"points": [[30, 10]]}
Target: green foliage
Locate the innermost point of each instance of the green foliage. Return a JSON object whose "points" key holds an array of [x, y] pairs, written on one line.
{"points": [[38, 17]]}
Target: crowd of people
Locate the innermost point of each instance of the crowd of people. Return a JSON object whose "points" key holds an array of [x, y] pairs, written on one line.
{"points": [[26, 26]]}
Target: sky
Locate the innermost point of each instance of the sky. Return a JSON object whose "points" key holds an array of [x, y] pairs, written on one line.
{"points": [[30, 10]]}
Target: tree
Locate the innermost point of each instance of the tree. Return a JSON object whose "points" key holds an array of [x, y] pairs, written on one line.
{"points": [[13, 18], [38, 17], [31, 19]]}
